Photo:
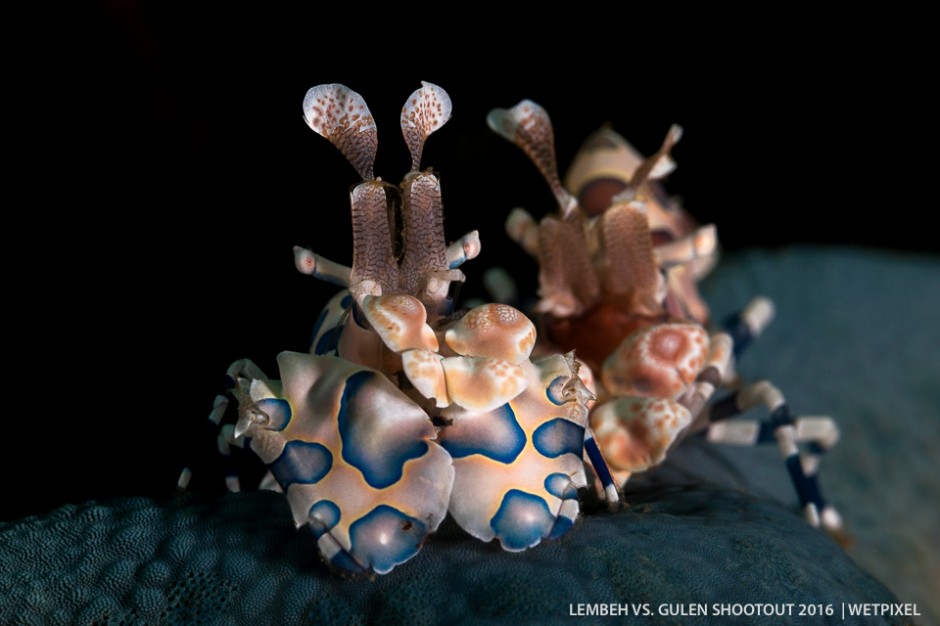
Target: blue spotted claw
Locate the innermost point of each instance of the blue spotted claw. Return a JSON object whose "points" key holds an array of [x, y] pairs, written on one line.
{"points": [[519, 466], [356, 458]]}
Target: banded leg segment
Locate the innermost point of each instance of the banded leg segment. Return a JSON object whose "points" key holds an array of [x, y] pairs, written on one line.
{"points": [[226, 437], [749, 323], [593, 452], [219, 407], [820, 433]]}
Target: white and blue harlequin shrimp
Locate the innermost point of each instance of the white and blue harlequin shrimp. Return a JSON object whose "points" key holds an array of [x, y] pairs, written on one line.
{"points": [[406, 411], [528, 454], [618, 265], [354, 455]]}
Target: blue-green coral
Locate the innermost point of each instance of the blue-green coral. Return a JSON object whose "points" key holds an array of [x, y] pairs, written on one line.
{"points": [[237, 559]]}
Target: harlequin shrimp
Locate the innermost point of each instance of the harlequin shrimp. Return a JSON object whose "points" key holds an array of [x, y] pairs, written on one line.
{"points": [[405, 410], [618, 265]]}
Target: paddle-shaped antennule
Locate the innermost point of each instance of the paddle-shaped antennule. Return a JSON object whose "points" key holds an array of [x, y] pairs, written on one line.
{"points": [[426, 110], [528, 126], [340, 114]]}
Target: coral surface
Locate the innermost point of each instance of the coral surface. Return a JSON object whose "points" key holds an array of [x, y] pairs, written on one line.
{"points": [[237, 559]]}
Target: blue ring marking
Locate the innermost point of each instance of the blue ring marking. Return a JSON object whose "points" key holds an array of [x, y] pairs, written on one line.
{"points": [[344, 561], [815, 448], [781, 416], [500, 439], [346, 301], [766, 433], [385, 537], [301, 462], [814, 493], [724, 408], [560, 486], [278, 410], [550, 391], [807, 487], [562, 525], [558, 437], [522, 520], [741, 336], [383, 470], [323, 516], [598, 462]]}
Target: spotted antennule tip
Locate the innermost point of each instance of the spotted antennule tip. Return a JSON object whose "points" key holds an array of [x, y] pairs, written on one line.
{"points": [[340, 115], [426, 110]]}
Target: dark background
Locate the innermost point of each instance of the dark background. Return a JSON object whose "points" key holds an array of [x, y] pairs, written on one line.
{"points": [[181, 175]]}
